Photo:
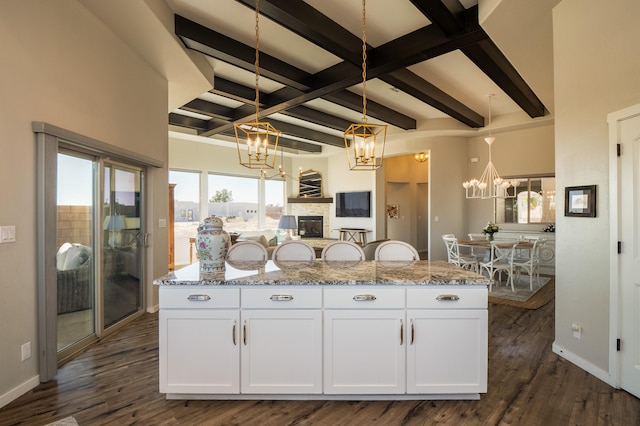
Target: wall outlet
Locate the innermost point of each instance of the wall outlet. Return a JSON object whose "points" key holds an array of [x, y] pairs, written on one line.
{"points": [[577, 330], [26, 351]]}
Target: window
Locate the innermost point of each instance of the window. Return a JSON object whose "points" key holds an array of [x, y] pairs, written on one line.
{"points": [[535, 202], [186, 208]]}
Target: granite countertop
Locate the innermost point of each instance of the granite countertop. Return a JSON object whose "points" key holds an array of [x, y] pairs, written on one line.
{"points": [[318, 272]]}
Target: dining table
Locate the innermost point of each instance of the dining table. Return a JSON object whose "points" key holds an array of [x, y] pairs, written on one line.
{"points": [[486, 245]]}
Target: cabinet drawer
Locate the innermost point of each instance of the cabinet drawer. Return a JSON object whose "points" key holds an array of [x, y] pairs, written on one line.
{"points": [[447, 298], [196, 297], [361, 297], [285, 297]]}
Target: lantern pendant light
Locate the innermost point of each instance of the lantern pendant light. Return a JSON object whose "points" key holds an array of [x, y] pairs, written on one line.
{"points": [[256, 140], [364, 142]]}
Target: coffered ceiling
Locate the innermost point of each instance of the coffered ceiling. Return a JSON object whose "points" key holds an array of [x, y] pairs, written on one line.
{"points": [[427, 60]]}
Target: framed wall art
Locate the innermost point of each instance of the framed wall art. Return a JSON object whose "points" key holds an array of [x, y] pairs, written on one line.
{"points": [[580, 201], [392, 211]]}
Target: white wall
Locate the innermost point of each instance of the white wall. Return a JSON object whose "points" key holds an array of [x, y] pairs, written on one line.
{"points": [[61, 65], [597, 69]]}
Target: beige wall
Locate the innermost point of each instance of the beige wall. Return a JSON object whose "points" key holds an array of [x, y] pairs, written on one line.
{"points": [[596, 73], [60, 65], [516, 153]]}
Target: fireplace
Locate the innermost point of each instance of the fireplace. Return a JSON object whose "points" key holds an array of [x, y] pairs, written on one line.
{"points": [[310, 226]]}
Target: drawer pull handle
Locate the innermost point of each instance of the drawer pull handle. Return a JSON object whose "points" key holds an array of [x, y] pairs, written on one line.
{"points": [[282, 297], [233, 333], [198, 298], [401, 332], [412, 332], [244, 333], [364, 297], [448, 297]]}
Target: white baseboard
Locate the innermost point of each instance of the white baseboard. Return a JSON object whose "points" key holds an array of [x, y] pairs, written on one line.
{"points": [[584, 364], [19, 390], [153, 309]]}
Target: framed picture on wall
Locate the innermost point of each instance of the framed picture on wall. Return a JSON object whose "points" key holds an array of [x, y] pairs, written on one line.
{"points": [[392, 211], [580, 201]]}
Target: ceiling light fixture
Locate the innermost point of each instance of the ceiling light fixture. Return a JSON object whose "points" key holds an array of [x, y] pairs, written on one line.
{"points": [[281, 173], [363, 140], [490, 184], [255, 138], [421, 157]]}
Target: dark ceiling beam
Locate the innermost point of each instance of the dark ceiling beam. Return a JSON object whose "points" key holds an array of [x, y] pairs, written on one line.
{"points": [[201, 106], [493, 63], [207, 108], [180, 120], [317, 117], [212, 43], [307, 22], [418, 46], [417, 87], [240, 93], [485, 54], [203, 125], [216, 45], [306, 133]]}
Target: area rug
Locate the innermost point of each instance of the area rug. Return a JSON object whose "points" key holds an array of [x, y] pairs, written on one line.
{"points": [[67, 421], [523, 297]]}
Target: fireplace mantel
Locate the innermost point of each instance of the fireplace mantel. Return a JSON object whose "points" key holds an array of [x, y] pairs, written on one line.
{"points": [[309, 200]]}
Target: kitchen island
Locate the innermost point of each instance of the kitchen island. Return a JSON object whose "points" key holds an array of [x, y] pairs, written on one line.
{"points": [[324, 330]]}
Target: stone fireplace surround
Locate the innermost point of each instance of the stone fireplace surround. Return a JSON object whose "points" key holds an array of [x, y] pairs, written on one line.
{"points": [[313, 209]]}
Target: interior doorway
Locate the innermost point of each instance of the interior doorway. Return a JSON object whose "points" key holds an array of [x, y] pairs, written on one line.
{"points": [[625, 231]]}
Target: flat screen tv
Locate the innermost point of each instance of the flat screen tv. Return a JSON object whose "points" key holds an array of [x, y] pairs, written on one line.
{"points": [[353, 204]]}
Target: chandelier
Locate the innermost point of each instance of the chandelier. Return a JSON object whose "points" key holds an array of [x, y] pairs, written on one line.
{"points": [[490, 184], [364, 142], [421, 157], [281, 173], [254, 139]]}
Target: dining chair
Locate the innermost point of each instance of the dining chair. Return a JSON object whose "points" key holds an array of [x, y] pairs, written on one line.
{"points": [[294, 250], [500, 260], [454, 257], [393, 250], [247, 251], [478, 253], [529, 261], [369, 249], [342, 251]]}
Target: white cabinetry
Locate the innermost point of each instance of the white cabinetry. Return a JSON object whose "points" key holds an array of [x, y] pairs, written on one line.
{"points": [[447, 341], [292, 341], [199, 340], [281, 340], [364, 341]]}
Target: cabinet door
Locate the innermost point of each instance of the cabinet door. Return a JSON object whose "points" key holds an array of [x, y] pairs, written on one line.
{"points": [[199, 351], [364, 351], [281, 351], [447, 351]]}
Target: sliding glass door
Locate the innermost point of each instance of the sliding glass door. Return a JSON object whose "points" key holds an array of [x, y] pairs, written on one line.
{"points": [[75, 259], [122, 242], [99, 245]]}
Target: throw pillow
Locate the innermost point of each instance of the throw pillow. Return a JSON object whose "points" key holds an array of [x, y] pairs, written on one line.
{"points": [[61, 256], [273, 242], [76, 256]]}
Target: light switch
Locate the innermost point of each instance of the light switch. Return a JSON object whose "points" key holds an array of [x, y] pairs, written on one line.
{"points": [[7, 234], [162, 223]]}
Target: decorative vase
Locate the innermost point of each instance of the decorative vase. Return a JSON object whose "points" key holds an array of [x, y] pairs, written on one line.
{"points": [[489, 237], [212, 244]]}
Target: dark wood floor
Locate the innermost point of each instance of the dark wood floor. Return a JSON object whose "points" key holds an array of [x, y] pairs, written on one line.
{"points": [[116, 382]]}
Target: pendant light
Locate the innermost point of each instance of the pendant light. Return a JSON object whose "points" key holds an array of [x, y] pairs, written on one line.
{"points": [[490, 184], [364, 142], [255, 139]]}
